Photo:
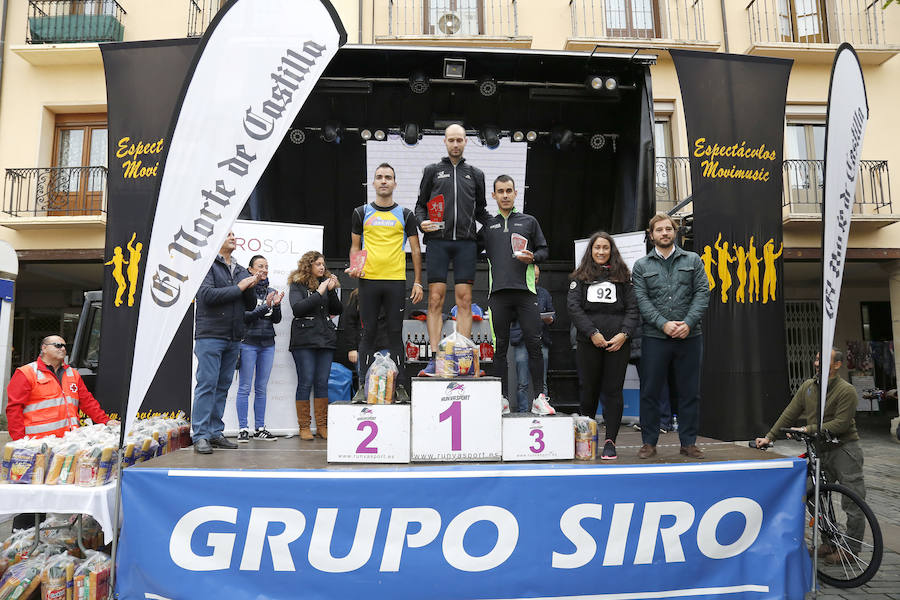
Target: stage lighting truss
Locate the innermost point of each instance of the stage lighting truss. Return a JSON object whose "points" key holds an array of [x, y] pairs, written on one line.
{"points": [[487, 87], [332, 132], [602, 84], [523, 136], [490, 137], [454, 68], [410, 134], [419, 83], [378, 135], [297, 136]]}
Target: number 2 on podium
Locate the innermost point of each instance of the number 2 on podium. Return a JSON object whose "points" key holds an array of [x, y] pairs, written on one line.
{"points": [[454, 413], [364, 447]]}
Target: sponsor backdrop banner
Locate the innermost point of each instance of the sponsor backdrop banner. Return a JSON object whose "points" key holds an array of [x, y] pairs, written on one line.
{"points": [[848, 113], [282, 244], [254, 69], [142, 84], [734, 110], [723, 530]]}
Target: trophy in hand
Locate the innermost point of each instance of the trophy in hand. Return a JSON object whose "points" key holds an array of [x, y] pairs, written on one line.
{"points": [[436, 211], [519, 244]]}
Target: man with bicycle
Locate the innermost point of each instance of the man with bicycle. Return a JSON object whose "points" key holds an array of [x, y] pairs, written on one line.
{"points": [[841, 461]]}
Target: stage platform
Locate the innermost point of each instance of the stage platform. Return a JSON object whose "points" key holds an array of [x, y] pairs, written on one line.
{"points": [[294, 453]]}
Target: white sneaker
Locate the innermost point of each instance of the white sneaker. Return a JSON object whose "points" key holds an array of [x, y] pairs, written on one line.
{"points": [[541, 406], [505, 410]]}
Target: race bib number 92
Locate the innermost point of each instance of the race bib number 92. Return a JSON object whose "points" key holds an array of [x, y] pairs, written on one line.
{"points": [[604, 293]]}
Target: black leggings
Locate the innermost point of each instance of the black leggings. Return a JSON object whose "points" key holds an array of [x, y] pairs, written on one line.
{"points": [[603, 371], [506, 307], [373, 294]]}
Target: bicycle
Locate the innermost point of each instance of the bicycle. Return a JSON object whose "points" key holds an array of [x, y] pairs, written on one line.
{"points": [[845, 559]]}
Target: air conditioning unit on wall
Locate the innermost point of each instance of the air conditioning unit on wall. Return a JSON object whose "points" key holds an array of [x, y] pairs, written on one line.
{"points": [[449, 23]]}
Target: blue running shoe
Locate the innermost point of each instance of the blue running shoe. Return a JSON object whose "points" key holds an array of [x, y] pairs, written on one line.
{"points": [[428, 371]]}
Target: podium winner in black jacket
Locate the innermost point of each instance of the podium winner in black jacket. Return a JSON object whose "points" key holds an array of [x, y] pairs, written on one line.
{"points": [[313, 337], [513, 295], [603, 308]]}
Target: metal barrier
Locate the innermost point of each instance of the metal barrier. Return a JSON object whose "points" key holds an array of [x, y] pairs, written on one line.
{"points": [[638, 19]]}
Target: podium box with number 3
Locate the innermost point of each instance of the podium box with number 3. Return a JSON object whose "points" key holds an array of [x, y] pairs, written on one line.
{"points": [[368, 433], [456, 419], [532, 437]]}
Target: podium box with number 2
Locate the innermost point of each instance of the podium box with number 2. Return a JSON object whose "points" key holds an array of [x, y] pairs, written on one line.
{"points": [[456, 420], [368, 433], [532, 437]]}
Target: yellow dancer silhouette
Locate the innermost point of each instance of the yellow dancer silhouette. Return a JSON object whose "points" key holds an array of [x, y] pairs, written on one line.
{"points": [[770, 279], [741, 256], [117, 261], [753, 286], [134, 263], [724, 275], [708, 261]]}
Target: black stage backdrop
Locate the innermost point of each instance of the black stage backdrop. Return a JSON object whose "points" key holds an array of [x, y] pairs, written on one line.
{"points": [[734, 111], [143, 81]]}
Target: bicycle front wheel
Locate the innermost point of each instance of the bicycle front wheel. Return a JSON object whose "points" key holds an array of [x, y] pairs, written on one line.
{"points": [[850, 545]]}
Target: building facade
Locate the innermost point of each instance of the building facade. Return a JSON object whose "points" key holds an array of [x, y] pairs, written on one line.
{"points": [[53, 148]]}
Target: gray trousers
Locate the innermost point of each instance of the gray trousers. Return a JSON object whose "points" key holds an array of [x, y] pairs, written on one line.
{"points": [[844, 465]]}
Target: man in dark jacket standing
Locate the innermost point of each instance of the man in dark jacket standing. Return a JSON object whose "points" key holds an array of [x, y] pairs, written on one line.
{"points": [[513, 295], [458, 188], [226, 292], [672, 294]]}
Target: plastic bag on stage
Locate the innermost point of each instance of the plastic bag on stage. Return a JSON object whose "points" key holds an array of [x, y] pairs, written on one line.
{"points": [[457, 356], [58, 576], [339, 381], [381, 380], [92, 576], [21, 579]]}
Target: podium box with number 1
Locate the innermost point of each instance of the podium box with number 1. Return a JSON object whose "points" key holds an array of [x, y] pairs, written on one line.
{"points": [[456, 419]]}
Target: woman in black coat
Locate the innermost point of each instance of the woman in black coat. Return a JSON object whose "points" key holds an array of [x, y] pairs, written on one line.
{"points": [[603, 308], [313, 337]]}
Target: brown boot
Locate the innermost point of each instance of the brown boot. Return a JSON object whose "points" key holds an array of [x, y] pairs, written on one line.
{"points": [[321, 417], [303, 419]]}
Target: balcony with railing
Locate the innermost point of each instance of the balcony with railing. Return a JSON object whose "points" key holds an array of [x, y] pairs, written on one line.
{"points": [[803, 183], [811, 30], [658, 24], [673, 182], [200, 14], [74, 21], [39, 197], [453, 23]]}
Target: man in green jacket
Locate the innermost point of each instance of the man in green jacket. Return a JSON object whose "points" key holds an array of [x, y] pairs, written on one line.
{"points": [[842, 462], [672, 294]]}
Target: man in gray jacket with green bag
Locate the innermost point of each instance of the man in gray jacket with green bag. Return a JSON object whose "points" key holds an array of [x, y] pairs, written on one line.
{"points": [[672, 294]]}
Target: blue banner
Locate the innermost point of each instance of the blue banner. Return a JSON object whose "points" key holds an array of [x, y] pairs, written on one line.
{"points": [[732, 530]]}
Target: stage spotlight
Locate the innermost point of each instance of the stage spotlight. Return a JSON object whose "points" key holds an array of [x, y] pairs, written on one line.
{"points": [[490, 137], [487, 86], [518, 136], [410, 134], [562, 138], [454, 68], [298, 136], [602, 84], [598, 140], [611, 84], [594, 82], [332, 132], [419, 83], [531, 136], [380, 135], [366, 135]]}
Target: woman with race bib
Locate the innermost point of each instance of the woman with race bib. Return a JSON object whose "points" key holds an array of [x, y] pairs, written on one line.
{"points": [[603, 308]]}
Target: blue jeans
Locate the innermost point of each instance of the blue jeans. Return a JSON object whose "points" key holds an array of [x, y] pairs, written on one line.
{"points": [[313, 368], [216, 360], [523, 376], [256, 359], [678, 362]]}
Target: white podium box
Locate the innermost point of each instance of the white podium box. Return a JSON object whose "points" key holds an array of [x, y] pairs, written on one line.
{"points": [[456, 420], [368, 433], [532, 437]]}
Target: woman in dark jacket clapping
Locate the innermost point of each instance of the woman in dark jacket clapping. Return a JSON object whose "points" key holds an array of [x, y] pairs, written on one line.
{"points": [[603, 308], [258, 352], [313, 337]]}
